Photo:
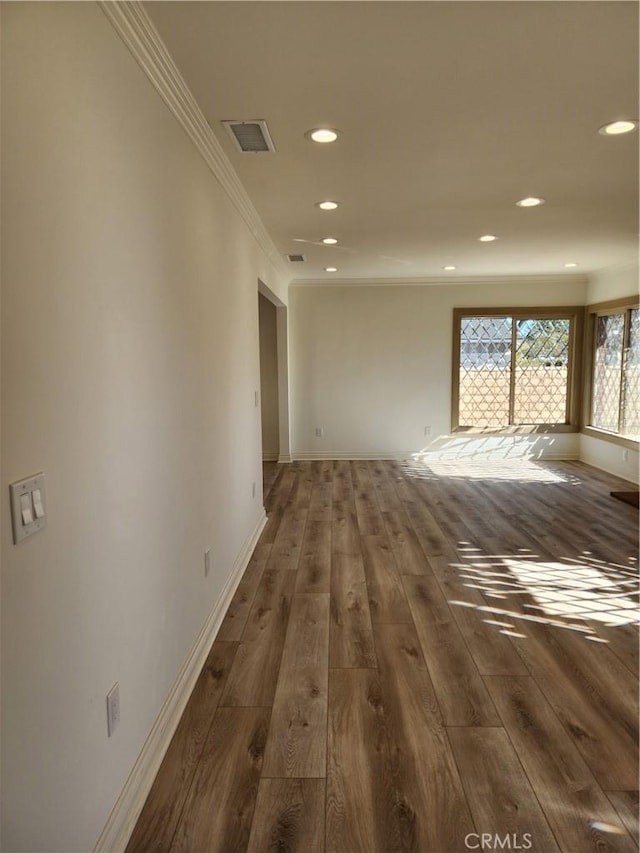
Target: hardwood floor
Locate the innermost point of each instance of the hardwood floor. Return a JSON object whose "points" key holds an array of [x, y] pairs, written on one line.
{"points": [[429, 658]]}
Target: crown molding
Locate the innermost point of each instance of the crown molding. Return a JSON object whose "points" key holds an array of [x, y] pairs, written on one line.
{"points": [[137, 31], [439, 281]]}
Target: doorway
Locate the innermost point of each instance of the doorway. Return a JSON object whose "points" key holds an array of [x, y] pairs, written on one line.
{"points": [[273, 337], [269, 379]]}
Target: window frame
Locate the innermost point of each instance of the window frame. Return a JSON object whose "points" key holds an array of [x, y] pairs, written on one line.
{"points": [[603, 309], [573, 313]]}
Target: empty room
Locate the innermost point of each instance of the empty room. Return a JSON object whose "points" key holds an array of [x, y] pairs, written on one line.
{"points": [[320, 417]]}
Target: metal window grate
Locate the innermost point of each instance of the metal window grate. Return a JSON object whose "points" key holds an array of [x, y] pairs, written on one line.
{"points": [[542, 358], [630, 415], [607, 371], [513, 371], [485, 368]]}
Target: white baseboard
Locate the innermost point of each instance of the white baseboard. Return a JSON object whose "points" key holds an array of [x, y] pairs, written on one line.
{"points": [[494, 456], [270, 457], [304, 455], [570, 456], [284, 458], [435, 454], [122, 820]]}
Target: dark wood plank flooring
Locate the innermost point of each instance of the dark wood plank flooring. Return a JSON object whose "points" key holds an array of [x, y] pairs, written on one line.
{"points": [[418, 654]]}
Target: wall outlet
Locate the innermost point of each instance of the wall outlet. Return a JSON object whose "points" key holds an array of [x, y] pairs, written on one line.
{"points": [[625, 454], [113, 709], [253, 489], [256, 399], [319, 432], [427, 431], [207, 562]]}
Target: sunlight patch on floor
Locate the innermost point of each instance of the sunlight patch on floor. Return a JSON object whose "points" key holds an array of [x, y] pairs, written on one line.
{"points": [[571, 590], [577, 590], [522, 470]]}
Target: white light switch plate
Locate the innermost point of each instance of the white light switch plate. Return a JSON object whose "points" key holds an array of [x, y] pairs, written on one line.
{"points": [[36, 516]]}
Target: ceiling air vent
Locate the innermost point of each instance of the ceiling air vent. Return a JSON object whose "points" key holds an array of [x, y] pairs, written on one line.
{"points": [[296, 259], [250, 137]]}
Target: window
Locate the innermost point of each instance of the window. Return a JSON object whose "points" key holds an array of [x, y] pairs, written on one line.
{"points": [[514, 369], [615, 369]]}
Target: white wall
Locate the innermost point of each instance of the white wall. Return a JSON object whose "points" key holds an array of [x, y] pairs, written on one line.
{"points": [[613, 283], [610, 457], [269, 378], [129, 365], [371, 366], [606, 285]]}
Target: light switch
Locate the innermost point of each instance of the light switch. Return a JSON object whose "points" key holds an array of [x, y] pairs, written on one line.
{"points": [[38, 507], [25, 509], [28, 506]]}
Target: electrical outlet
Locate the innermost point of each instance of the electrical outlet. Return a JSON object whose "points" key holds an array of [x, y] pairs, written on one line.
{"points": [[427, 431], [319, 432], [207, 562], [625, 454], [113, 709], [253, 490], [256, 399]]}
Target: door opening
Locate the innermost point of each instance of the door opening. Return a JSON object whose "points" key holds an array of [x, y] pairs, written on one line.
{"points": [[268, 331]]}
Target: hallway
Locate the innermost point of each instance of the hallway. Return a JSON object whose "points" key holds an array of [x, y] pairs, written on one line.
{"points": [[416, 655]]}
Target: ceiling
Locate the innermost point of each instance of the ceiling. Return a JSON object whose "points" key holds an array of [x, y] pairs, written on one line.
{"points": [[449, 113]]}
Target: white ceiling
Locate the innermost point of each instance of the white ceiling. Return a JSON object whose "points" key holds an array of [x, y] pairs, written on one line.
{"points": [[450, 112]]}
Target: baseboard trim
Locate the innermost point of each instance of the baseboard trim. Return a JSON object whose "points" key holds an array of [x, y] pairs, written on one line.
{"points": [[435, 455], [350, 454], [284, 458], [495, 455], [122, 820], [555, 457], [270, 457]]}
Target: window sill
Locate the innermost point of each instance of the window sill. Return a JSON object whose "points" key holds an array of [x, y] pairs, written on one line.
{"points": [[612, 437], [521, 429]]}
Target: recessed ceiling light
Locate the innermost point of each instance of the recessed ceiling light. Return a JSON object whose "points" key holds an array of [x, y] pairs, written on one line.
{"points": [[327, 205], [331, 269], [530, 201], [615, 128], [329, 241], [448, 268], [322, 134], [487, 238], [568, 266]]}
